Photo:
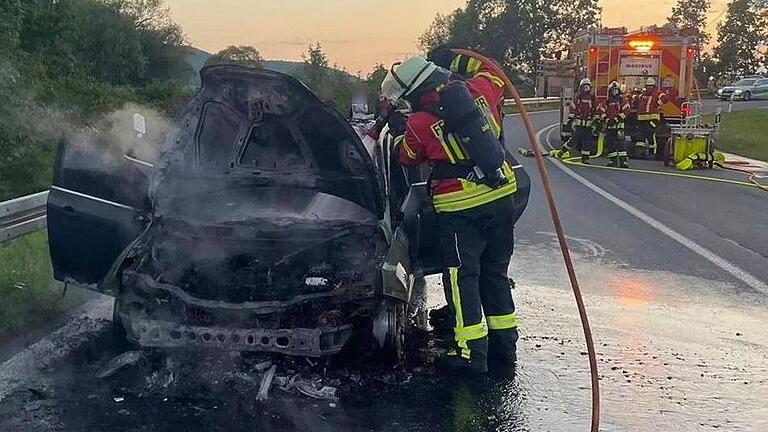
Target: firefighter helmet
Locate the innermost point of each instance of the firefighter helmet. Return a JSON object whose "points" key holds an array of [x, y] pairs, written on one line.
{"points": [[584, 82], [614, 88], [650, 82], [403, 78]]}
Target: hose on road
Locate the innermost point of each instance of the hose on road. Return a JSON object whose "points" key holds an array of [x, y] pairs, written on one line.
{"points": [[512, 92]]}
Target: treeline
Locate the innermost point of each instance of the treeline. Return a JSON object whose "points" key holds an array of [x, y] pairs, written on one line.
{"points": [[516, 33], [65, 63], [330, 82]]}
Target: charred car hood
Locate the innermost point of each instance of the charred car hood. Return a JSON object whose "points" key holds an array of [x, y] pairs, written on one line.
{"points": [[254, 127]]}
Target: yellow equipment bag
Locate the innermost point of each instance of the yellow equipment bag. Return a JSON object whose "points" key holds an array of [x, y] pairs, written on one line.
{"points": [[685, 146]]}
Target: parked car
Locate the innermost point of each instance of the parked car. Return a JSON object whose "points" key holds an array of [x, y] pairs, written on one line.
{"points": [[264, 225], [745, 89]]}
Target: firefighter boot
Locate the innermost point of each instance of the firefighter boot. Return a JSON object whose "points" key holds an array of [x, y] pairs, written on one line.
{"points": [[502, 346], [585, 159], [476, 364], [614, 160], [623, 161]]}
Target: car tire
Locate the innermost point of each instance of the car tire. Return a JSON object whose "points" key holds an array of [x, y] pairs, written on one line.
{"points": [[747, 96], [391, 317]]}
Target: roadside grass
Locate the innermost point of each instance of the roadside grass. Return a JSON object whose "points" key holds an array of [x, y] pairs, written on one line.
{"points": [[744, 133], [29, 297]]}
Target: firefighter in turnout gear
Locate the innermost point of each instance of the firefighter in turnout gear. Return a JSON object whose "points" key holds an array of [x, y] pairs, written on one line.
{"points": [[582, 115], [454, 125], [613, 113], [648, 106]]}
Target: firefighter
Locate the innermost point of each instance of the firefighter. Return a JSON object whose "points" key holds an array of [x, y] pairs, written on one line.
{"points": [[582, 115], [613, 112], [649, 105], [476, 214]]}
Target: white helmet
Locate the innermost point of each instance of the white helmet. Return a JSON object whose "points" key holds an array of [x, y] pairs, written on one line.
{"points": [[650, 81], [585, 81], [403, 78]]}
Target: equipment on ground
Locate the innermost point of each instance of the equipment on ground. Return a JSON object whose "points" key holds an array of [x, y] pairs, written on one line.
{"points": [[691, 144]]}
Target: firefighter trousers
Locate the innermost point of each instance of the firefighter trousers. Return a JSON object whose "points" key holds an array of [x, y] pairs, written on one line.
{"points": [[647, 130], [583, 141], [476, 246], [615, 144]]}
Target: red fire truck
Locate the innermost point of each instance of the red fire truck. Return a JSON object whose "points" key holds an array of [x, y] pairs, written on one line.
{"points": [[614, 54]]}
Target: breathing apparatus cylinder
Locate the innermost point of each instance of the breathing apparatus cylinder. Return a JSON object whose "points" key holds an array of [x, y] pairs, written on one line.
{"points": [[469, 124]]}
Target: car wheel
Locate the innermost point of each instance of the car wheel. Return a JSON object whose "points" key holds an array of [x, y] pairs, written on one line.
{"points": [[389, 331], [747, 96]]}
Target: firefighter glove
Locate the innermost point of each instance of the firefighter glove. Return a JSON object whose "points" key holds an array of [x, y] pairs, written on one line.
{"points": [[397, 123]]}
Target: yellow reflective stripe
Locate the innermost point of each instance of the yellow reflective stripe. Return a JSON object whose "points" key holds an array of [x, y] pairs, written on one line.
{"points": [[437, 131], [471, 189], [455, 146], [453, 272], [648, 117], [475, 201], [473, 66], [455, 63], [468, 333], [498, 82], [408, 150], [502, 322]]}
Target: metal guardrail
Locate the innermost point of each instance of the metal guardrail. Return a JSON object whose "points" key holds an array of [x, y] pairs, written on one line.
{"points": [[22, 215], [532, 101]]}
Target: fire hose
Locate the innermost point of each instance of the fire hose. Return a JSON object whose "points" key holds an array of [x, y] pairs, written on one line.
{"points": [[512, 92]]}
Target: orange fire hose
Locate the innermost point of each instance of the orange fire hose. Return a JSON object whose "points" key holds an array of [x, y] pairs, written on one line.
{"points": [[512, 91]]}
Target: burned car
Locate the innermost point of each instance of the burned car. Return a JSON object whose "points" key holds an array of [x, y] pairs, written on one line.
{"points": [[264, 224]]}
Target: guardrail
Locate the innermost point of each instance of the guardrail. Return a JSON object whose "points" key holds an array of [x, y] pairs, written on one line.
{"points": [[23, 215], [532, 104]]}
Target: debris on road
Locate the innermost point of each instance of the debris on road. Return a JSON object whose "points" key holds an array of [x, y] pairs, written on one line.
{"points": [[315, 390], [127, 358], [261, 367], [118, 399], [266, 383]]}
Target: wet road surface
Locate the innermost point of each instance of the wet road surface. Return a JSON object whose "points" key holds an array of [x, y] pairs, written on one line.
{"points": [[681, 343]]}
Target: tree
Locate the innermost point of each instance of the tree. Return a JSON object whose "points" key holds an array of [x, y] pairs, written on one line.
{"points": [[239, 55], [565, 19], [517, 33], [691, 14], [315, 69], [742, 37]]}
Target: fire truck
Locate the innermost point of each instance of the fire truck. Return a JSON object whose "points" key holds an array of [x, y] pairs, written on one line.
{"points": [[613, 54]]}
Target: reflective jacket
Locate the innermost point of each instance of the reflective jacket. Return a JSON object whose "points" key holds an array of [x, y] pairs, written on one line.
{"points": [[425, 140], [582, 109], [616, 110], [649, 105]]}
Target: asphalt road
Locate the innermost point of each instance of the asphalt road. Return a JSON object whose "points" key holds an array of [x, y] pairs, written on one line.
{"points": [[673, 271]]}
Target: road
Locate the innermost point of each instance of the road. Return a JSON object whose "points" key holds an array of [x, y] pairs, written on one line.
{"points": [[673, 271], [711, 105]]}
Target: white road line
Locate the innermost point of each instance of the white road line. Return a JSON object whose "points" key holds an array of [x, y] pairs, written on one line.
{"points": [[705, 253]]}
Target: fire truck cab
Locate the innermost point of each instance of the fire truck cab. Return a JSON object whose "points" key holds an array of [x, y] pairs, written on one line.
{"points": [[614, 54]]}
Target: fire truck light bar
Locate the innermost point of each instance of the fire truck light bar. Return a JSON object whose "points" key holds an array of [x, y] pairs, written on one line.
{"points": [[641, 45]]}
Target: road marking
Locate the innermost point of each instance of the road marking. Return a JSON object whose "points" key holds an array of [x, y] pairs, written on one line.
{"points": [[705, 253]]}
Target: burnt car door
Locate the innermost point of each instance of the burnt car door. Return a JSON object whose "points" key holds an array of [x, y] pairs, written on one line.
{"points": [[413, 211], [96, 206]]}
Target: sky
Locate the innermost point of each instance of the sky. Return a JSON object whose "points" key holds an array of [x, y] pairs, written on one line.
{"points": [[355, 34]]}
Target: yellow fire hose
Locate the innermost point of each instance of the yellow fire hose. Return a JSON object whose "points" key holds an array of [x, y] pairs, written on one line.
{"points": [[512, 91]]}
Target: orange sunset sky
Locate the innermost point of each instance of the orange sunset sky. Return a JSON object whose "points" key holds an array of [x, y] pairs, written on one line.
{"points": [[355, 34]]}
